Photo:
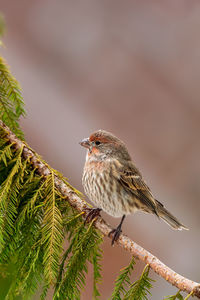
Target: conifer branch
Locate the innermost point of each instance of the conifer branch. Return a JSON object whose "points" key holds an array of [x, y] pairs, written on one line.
{"points": [[123, 281], [80, 205], [11, 102], [140, 288]]}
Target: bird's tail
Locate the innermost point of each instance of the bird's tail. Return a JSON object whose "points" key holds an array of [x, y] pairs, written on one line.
{"points": [[168, 217]]}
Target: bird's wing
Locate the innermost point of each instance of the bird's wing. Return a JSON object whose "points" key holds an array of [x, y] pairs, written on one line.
{"points": [[131, 179]]}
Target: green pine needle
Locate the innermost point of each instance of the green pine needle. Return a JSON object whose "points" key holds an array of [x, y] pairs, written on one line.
{"points": [[52, 232], [97, 278], [11, 102], [9, 190], [83, 249], [123, 281], [6, 154], [174, 297], [140, 289]]}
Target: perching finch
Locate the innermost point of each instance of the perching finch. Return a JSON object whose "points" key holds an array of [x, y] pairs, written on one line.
{"points": [[115, 185]]}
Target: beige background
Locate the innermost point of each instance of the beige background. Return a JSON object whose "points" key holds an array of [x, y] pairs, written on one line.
{"points": [[132, 68]]}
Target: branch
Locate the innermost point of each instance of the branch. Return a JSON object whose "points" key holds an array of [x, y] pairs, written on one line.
{"points": [[80, 205]]}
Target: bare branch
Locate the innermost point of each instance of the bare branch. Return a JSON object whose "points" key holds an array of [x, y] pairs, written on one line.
{"points": [[137, 251]]}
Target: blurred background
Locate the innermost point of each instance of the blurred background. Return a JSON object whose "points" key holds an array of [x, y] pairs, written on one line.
{"points": [[129, 67]]}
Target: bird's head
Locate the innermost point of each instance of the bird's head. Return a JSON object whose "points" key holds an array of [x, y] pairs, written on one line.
{"points": [[102, 144]]}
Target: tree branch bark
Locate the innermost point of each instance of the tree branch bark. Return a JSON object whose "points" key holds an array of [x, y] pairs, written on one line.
{"points": [[80, 205]]}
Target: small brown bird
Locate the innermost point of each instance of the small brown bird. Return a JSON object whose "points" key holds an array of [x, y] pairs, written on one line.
{"points": [[115, 185]]}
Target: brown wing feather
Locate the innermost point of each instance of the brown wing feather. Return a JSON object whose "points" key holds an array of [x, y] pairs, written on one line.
{"points": [[131, 180]]}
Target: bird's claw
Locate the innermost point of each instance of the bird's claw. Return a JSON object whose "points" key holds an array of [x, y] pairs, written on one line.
{"points": [[93, 213], [116, 233]]}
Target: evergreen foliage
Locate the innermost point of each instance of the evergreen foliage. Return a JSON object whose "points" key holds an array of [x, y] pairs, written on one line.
{"points": [[178, 296], [136, 291], [83, 247], [174, 297], [34, 219], [140, 289], [11, 102], [97, 269], [123, 281]]}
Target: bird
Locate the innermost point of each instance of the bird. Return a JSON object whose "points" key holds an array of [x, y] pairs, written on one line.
{"points": [[115, 185]]}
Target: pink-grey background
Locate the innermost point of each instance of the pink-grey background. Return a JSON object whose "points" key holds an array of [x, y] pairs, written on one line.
{"points": [[129, 67]]}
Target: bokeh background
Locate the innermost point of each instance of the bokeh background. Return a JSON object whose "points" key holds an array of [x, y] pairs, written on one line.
{"points": [[129, 67]]}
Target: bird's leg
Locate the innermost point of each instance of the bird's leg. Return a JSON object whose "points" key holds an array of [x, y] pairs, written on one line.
{"points": [[117, 231], [93, 212]]}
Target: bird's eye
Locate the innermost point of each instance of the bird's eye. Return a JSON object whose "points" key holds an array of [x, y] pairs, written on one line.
{"points": [[97, 143]]}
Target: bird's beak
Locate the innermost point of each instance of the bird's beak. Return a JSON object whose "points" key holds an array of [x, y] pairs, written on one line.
{"points": [[85, 143]]}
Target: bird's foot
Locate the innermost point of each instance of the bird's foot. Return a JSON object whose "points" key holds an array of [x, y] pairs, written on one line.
{"points": [[93, 213], [116, 233]]}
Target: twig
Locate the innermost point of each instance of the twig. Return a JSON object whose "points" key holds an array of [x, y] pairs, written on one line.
{"points": [[80, 205]]}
